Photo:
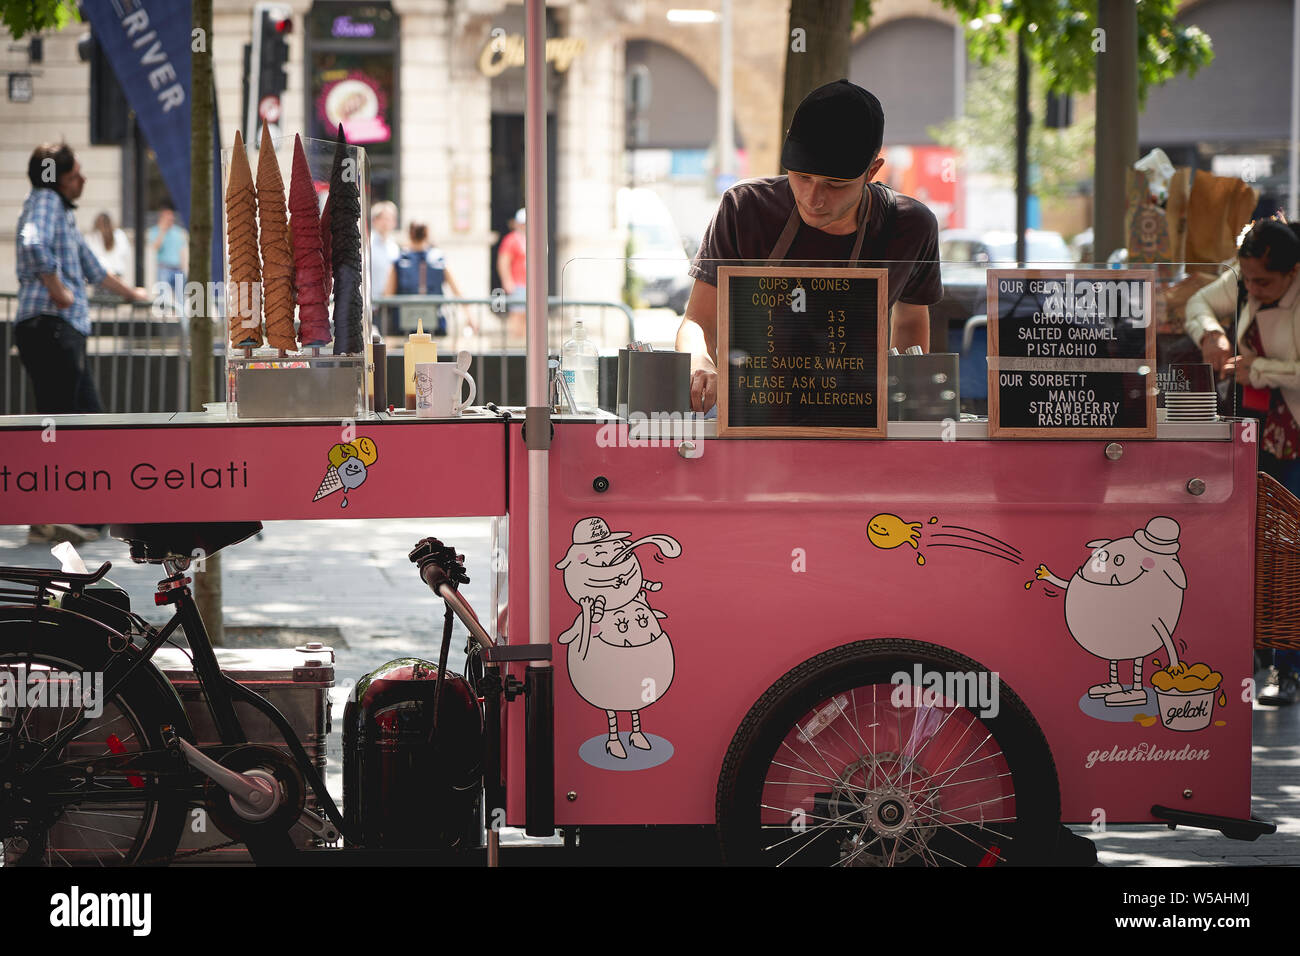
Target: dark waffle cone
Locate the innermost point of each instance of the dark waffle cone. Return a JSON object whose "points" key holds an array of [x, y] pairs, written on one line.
{"points": [[345, 254]]}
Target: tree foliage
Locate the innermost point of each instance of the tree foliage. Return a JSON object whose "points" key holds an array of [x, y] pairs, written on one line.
{"points": [[21, 17], [1061, 158], [1064, 39]]}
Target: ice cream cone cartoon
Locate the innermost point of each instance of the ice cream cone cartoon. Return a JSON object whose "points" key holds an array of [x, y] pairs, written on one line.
{"points": [[1124, 602], [619, 657], [349, 464]]}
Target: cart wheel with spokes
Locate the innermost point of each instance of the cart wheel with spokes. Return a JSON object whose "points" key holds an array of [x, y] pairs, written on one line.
{"points": [[68, 811], [827, 769]]}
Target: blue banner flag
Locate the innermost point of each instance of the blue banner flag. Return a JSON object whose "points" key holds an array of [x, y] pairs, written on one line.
{"points": [[148, 43]]}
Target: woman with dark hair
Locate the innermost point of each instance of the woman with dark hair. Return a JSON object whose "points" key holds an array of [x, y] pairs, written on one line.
{"points": [[1264, 296]]}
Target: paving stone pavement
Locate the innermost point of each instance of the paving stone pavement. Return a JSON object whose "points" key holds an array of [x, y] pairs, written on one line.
{"points": [[355, 576]]}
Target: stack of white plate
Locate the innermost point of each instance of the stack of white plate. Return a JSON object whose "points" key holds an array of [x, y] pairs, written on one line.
{"points": [[1191, 406]]}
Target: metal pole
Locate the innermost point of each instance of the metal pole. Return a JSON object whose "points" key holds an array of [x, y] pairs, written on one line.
{"points": [[535, 200], [538, 414], [726, 128], [1293, 177], [137, 163]]}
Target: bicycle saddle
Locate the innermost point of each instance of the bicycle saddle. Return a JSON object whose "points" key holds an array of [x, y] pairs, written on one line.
{"points": [[156, 543]]}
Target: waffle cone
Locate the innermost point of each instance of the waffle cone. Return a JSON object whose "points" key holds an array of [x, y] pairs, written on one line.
{"points": [[243, 296]]}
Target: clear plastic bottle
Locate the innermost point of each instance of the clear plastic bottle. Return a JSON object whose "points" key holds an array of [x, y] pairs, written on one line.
{"points": [[580, 364]]}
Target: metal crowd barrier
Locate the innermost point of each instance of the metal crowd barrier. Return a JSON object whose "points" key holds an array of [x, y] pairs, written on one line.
{"points": [[139, 360], [610, 323]]}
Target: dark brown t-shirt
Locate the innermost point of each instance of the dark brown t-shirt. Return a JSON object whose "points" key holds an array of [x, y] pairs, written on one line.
{"points": [[752, 214]]}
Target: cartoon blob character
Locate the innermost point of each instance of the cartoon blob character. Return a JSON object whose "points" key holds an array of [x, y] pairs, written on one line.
{"points": [[619, 658], [349, 462], [888, 531], [604, 567], [1124, 602]]}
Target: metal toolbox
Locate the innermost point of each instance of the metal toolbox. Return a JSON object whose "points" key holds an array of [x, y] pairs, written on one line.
{"points": [[296, 680]]}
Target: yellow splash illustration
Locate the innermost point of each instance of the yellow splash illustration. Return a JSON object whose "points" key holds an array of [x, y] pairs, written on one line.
{"points": [[1220, 723], [920, 559], [1223, 701], [888, 531], [1198, 677], [1146, 720], [933, 519]]}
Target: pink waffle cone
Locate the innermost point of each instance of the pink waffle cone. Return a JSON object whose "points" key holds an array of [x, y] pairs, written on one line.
{"points": [[309, 273]]}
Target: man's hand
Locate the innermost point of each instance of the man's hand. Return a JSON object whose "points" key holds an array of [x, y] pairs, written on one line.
{"points": [[1216, 350], [60, 294], [704, 389], [132, 294], [63, 296]]}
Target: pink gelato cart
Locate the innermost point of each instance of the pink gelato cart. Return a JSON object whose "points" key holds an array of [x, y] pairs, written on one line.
{"points": [[917, 651]]}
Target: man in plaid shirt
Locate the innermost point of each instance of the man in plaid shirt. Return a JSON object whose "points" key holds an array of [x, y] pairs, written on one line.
{"points": [[54, 267]]}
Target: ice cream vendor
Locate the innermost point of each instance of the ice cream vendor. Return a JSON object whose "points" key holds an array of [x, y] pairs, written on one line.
{"points": [[826, 209]]}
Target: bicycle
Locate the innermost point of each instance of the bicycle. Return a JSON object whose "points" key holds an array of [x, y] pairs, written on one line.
{"points": [[108, 775]]}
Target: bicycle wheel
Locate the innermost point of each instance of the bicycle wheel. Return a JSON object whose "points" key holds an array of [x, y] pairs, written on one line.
{"points": [[65, 814], [826, 769]]}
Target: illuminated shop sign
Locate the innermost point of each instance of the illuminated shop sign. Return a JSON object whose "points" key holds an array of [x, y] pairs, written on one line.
{"points": [[347, 27], [503, 52]]}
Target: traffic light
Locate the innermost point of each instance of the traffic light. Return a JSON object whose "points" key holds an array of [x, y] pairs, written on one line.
{"points": [[265, 79], [274, 54]]}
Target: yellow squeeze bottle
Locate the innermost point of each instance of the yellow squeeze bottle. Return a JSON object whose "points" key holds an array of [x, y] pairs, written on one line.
{"points": [[420, 347]]}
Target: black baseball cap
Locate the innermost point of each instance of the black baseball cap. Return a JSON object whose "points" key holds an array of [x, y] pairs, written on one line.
{"points": [[837, 132]]}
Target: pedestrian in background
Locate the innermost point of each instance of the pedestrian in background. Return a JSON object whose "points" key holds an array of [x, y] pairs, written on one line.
{"points": [[422, 270], [110, 247], [55, 267], [171, 247], [512, 267]]}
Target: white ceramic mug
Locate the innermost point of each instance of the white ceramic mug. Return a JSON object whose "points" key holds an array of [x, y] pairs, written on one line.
{"points": [[438, 388]]}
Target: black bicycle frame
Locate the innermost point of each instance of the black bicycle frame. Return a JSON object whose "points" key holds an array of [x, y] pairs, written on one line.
{"points": [[219, 690]]}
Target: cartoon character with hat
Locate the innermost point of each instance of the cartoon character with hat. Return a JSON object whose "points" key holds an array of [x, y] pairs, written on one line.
{"points": [[619, 657], [1124, 602]]}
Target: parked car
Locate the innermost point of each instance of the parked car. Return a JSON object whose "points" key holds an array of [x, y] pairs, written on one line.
{"points": [[658, 257]]}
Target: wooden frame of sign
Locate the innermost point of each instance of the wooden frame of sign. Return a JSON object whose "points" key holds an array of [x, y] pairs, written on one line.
{"points": [[1078, 345], [815, 379]]}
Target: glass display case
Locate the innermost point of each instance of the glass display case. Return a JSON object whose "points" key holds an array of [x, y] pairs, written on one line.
{"points": [[296, 299]]}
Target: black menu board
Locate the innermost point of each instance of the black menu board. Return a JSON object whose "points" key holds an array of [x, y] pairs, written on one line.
{"points": [[1072, 353], [801, 351]]}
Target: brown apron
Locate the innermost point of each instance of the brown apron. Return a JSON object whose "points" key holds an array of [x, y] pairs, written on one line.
{"points": [[889, 207]]}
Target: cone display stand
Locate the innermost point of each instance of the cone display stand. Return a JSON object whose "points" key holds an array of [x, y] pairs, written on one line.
{"points": [[297, 285]]}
